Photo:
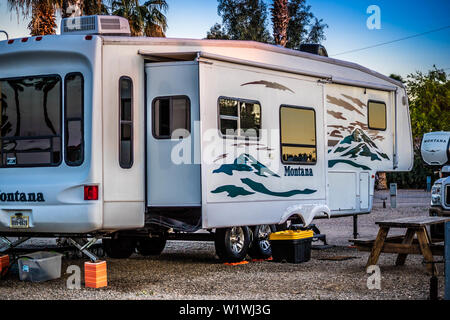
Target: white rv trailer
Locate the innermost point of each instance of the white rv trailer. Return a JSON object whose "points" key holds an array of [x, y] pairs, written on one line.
{"points": [[435, 151], [90, 146]]}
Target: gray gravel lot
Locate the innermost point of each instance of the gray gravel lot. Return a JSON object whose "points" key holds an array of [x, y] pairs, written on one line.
{"points": [[190, 270]]}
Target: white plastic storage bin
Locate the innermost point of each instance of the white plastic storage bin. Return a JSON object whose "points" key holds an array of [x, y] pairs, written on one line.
{"points": [[40, 266]]}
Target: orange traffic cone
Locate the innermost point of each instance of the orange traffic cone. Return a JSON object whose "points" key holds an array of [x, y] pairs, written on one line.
{"points": [[4, 262], [95, 274]]}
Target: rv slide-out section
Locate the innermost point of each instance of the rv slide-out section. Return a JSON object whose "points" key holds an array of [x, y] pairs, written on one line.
{"points": [[257, 167], [229, 165]]}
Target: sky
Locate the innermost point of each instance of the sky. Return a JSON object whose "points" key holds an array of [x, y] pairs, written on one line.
{"points": [[348, 30]]}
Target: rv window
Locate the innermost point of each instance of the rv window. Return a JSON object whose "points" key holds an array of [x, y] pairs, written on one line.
{"points": [[298, 135], [377, 115], [171, 117], [30, 121], [73, 119], [239, 118], [126, 123]]}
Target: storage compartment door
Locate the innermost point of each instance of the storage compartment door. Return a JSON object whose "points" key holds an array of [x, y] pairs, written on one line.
{"points": [[342, 191], [364, 183]]}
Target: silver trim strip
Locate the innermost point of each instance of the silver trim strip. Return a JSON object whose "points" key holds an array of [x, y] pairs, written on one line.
{"points": [[362, 84]]}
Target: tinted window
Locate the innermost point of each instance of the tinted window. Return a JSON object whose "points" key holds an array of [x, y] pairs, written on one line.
{"points": [[30, 122], [377, 115], [171, 114], [126, 123], [74, 126], [241, 118], [298, 135]]}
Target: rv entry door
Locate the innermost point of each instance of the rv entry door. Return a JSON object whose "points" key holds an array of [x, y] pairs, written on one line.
{"points": [[173, 177]]}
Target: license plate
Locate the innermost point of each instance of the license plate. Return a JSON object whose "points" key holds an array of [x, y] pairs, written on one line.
{"points": [[19, 221]]}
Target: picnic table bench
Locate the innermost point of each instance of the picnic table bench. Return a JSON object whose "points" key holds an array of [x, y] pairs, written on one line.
{"points": [[406, 244]]}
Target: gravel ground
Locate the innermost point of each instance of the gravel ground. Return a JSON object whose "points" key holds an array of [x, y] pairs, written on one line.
{"points": [[191, 271]]}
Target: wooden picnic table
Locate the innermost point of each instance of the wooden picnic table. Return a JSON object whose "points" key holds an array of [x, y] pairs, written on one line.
{"points": [[404, 245]]}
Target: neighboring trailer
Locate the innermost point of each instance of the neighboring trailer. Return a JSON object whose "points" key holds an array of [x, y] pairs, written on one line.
{"points": [[131, 137], [435, 151]]}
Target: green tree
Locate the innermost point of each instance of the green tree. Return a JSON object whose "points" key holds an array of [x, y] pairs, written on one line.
{"points": [[243, 20], [217, 32], [397, 77], [429, 106], [301, 29], [293, 22], [429, 101], [317, 31], [147, 19]]}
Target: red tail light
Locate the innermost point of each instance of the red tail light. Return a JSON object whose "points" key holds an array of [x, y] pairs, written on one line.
{"points": [[90, 192]]}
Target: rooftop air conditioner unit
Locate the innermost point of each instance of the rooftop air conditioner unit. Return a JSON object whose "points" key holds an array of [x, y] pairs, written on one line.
{"points": [[314, 49], [106, 25]]}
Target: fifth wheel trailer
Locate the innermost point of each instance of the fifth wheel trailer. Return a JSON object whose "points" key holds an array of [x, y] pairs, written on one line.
{"points": [[133, 138], [435, 151]]}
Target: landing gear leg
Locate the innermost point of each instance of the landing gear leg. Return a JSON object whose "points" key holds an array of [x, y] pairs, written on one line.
{"points": [[355, 227], [11, 245], [84, 249]]}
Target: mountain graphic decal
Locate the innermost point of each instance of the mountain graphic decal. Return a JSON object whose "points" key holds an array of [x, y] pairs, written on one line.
{"points": [[355, 147], [247, 163]]}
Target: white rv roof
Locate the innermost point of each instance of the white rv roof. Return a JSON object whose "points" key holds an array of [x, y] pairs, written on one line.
{"points": [[244, 52], [314, 63]]}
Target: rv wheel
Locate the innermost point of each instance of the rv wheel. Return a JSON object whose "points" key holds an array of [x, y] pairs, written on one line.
{"points": [[151, 246], [260, 247], [119, 248], [232, 243]]}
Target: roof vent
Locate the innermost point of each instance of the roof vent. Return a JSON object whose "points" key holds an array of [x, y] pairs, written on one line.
{"points": [[107, 25], [314, 49]]}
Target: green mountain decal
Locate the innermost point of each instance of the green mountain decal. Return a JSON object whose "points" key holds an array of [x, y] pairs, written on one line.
{"points": [[247, 163], [332, 163], [353, 147], [259, 187], [233, 191]]}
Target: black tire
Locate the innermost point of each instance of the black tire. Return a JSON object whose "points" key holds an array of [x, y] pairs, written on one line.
{"points": [[282, 227], [119, 248], [232, 244], [260, 247], [151, 246]]}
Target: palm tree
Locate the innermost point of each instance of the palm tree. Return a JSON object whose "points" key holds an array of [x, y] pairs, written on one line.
{"points": [[43, 20], [147, 19], [280, 20]]}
